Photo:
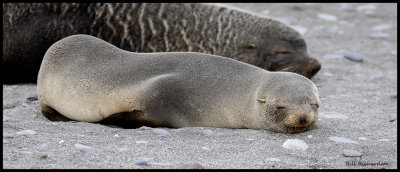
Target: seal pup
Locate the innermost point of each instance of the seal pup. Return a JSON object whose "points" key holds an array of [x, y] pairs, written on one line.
{"points": [[29, 29], [87, 79]]}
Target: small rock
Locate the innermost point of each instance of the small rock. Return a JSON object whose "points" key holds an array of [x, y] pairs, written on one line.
{"points": [[124, 149], [353, 56], [43, 157], [116, 135], [42, 146], [327, 74], [366, 7], [49, 166], [393, 52], [208, 132], [160, 132], [383, 140], [295, 144], [362, 138], [342, 140], [141, 142], [142, 161], [144, 128], [351, 153], [309, 136], [26, 132], [61, 142], [381, 27], [7, 135], [390, 109], [33, 98], [393, 117], [273, 159], [346, 9], [84, 148], [206, 148], [334, 115], [378, 35], [376, 76], [327, 17]]}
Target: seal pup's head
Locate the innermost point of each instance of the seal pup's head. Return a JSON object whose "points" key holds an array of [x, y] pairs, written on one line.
{"points": [[290, 102]]}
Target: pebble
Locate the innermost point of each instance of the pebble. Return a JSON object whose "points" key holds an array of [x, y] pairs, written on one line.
{"points": [[160, 132], [327, 74], [393, 52], [116, 135], [123, 149], [390, 109], [206, 148], [351, 153], [273, 159], [141, 142], [309, 136], [383, 140], [353, 56], [33, 98], [376, 76], [362, 138], [26, 132], [378, 35], [381, 27], [44, 145], [393, 117], [342, 140], [295, 144], [208, 132], [346, 9], [334, 115], [49, 166], [366, 7], [7, 135], [84, 148], [327, 17], [61, 142], [142, 161]]}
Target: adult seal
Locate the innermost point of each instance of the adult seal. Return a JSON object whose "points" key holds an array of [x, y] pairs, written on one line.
{"points": [[29, 29], [84, 78]]}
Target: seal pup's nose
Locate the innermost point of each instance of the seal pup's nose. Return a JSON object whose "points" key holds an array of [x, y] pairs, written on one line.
{"points": [[303, 119]]}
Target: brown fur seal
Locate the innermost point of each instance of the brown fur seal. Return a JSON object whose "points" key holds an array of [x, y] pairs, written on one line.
{"points": [[29, 29], [87, 79]]}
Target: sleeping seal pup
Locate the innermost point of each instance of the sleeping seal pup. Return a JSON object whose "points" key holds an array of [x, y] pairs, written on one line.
{"points": [[87, 79]]}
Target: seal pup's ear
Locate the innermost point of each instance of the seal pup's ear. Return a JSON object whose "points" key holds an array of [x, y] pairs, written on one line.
{"points": [[252, 46], [262, 100]]}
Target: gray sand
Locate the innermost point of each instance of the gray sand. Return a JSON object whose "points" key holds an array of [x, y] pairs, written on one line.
{"points": [[357, 127]]}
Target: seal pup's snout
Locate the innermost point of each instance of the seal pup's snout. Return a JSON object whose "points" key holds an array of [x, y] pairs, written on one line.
{"points": [[303, 119], [313, 67]]}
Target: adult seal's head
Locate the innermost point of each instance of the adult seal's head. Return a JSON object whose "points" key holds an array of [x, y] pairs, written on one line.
{"points": [[87, 79]]}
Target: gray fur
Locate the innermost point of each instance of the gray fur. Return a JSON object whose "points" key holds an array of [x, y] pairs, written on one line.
{"points": [[29, 29], [87, 79]]}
